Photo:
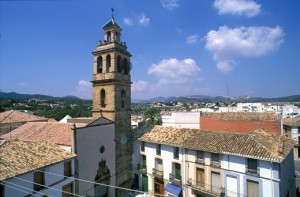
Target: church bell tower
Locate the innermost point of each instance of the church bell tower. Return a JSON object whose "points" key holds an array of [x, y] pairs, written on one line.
{"points": [[112, 96]]}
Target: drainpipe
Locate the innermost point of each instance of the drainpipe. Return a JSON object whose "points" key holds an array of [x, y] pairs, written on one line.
{"points": [[272, 187]]}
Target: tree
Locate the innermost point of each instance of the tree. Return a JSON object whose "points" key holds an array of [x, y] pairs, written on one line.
{"points": [[152, 116]]}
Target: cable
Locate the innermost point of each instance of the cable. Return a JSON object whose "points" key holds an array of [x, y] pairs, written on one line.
{"points": [[48, 187], [25, 188], [101, 184], [18, 189]]}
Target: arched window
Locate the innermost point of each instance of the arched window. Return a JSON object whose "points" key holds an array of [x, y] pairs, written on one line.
{"points": [[117, 37], [102, 98], [99, 64], [108, 62], [108, 36], [119, 69], [123, 95], [126, 67]]}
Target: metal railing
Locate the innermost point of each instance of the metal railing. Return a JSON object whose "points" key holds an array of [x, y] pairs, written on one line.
{"points": [[175, 179], [142, 168], [158, 173], [200, 160], [216, 164], [206, 188]]}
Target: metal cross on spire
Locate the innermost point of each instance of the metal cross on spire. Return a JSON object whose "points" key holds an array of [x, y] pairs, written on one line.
{"points": [[112, 12]]}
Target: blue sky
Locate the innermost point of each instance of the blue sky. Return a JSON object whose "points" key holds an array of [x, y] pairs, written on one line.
{"points": [[178, 47]]}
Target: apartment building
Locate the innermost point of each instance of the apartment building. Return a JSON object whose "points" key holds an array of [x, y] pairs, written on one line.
{"points": [[192, 163], [291, 128], [35, 169]]}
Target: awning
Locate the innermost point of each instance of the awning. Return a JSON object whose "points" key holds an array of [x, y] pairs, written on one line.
{"points": [[173, 189]]}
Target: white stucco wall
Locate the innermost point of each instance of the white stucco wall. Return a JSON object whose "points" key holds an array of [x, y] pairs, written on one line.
{"points": [[89, 141], [182, 120], [23, 185]]}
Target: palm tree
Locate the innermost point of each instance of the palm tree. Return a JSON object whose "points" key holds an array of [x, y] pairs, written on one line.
{"points": [[152, 116]]}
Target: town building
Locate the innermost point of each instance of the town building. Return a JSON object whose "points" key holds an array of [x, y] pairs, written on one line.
{"points": [[9, 120], [182, 119], [241, 122], [55, 132], [192, 162], [291, 128], [35, 169]]}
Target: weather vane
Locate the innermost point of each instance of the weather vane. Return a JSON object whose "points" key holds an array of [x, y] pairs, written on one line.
{"points": [[112, 12]]}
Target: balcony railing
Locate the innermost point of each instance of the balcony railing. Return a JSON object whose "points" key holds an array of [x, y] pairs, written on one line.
{"points": [[175, 179], [158, 173], [216, 164], [142, 168], [200, 160], [206, 188], [252, 171]]}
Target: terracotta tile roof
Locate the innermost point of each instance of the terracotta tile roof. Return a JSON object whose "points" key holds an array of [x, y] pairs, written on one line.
{"points": [[258, 144], [293, 122], [18, 157], [14, 116], [58, 133], [250, 116]]}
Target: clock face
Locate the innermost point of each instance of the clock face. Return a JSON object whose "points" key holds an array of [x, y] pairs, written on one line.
{"points": [[123, 138]]}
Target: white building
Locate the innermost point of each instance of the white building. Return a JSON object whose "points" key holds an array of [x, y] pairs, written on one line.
{"points": [[35, 169], [250, 107], [192, 163], [291, 128], [182, 119]]}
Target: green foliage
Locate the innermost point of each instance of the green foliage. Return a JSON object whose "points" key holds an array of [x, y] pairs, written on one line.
{"points": [[152, 116]]}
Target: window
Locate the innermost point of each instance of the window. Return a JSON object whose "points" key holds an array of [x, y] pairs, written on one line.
{"points": [[158, 165], [158, 149], [177, 171], [99, 64], [123, 95], [143, 146], [176, 153], [215, 182], [215, 157], [108, 38], [68, 168], [252, 166], [200, 157], [252, 188], [126, 67], [119, 70], [39, 180], [67, 190], [102, 98], [200, 177], [108, 63], [1, 189]]}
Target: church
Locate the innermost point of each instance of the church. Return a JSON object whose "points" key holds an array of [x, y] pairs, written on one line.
{"points": [[103, 147]]}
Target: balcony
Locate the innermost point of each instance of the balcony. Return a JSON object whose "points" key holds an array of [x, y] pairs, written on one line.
{"points": [[142, 168], [158, 174], [175, 180], [216, 164], [206, 189], [252, 171], [200, 160]]}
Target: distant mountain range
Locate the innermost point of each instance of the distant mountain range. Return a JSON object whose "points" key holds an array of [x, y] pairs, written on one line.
{"points": [[192, 98], [14, 95]]}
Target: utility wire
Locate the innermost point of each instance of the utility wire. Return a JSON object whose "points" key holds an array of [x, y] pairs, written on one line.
{"points": [[18, 189], [47, 187], [7, 182], [101, 184]]}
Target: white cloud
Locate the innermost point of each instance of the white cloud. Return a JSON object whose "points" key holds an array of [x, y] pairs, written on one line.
{"points": [[139, 85], [226, 43], [174, 71], [237, 7], [192, 39], [143, 20], [127, 21], [84, 89], [169, 4], [179, 31]]}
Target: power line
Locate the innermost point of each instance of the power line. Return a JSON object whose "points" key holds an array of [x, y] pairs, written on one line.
{"points": [[17, 189], [102, 184], [48, 187], [7, 182]]}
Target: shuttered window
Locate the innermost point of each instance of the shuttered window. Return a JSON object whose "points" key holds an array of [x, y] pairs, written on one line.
{"points": [[252, 188]]}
